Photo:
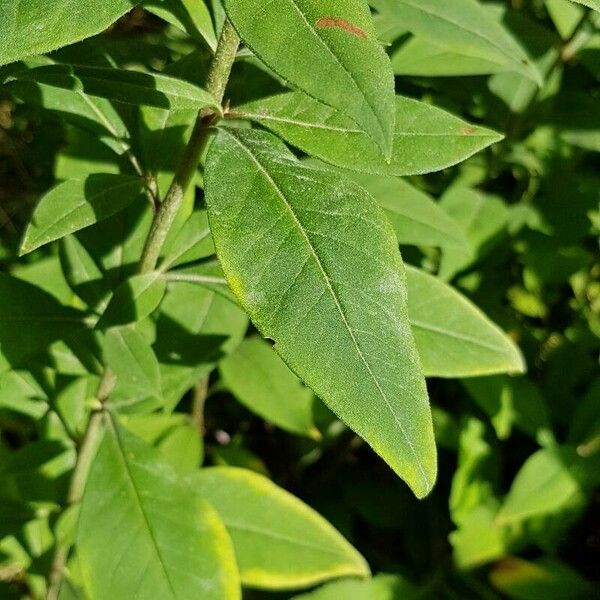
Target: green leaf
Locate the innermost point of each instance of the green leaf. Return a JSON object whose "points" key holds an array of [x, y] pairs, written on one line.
{"points": [[124, 86], [189, 15], [191, 243], [454, 338], [595, 4], [291, 242], [483, 220], [168, 543], [380, 587], [133, 300], [79, 203], [31, 320], [195, 329], [546, 484], [330, 51], [36, 27], [414, 215], [261, 381], [426, 138], [544, 578], [280, 542], [463, 26], [132, 361]]}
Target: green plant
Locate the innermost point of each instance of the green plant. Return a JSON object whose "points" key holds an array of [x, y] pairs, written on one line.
{"points": [[213, 259]]}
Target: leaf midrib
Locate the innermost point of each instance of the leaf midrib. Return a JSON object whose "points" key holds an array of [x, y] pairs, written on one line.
{"points": [[140, 506], [333, 294]]}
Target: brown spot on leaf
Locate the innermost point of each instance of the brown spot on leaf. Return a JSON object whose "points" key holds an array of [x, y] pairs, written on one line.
{"points": [[467, 130], [325, 22]]}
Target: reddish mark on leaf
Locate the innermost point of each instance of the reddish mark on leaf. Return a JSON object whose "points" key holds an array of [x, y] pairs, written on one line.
{"points": [[325, 22], [467, 130]]}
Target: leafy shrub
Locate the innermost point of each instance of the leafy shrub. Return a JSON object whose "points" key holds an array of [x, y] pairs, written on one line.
{"points": [[212, 355]]}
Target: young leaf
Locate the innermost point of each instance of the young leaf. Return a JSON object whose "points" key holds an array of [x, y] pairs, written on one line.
{"points": [[30, 320], [328, 50], [129, 356], [426, 138], [291, 242], [78, 203], [454, 338], [36, 27], [415, 217], [121, 85], [280, 543], [168, 542], [262, 382], [133, 300], [464, 26]]}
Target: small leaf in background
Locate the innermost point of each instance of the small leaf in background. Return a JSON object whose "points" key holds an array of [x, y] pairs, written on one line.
{"points": [[414, 215], [191, 16], [546, 484], [261, 381], [133, 300], [454, 338], [129, 355], [78, 203], [331, 52], [280, 543], [290, 240], [461, 25], [195, 329], [541, 579], [380, 587], [35, 27], [192, 242], [121, 85], [511, 401], [426, 138], [182, 550], [30, 321], [483, 220]]}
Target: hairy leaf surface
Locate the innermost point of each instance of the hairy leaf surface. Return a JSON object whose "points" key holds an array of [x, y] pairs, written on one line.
{"points": [[426, 138], [327, 49], [315, 264]]}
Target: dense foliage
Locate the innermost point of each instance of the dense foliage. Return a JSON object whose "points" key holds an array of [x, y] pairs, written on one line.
{"points": [[219, 377]]}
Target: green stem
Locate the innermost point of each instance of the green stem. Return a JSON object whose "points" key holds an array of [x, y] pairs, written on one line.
{"points": [[218, 77], [85, 456]]}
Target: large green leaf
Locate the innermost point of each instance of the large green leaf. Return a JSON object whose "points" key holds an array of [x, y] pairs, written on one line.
{"points": [[261, 381], [426, 138], [280, 542], [291, 240], [78, 203], [463, 26], [121, 85], [36, 26], [330, 51], [415, 217], [454, 338], [142, 534], [30, 320]]}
